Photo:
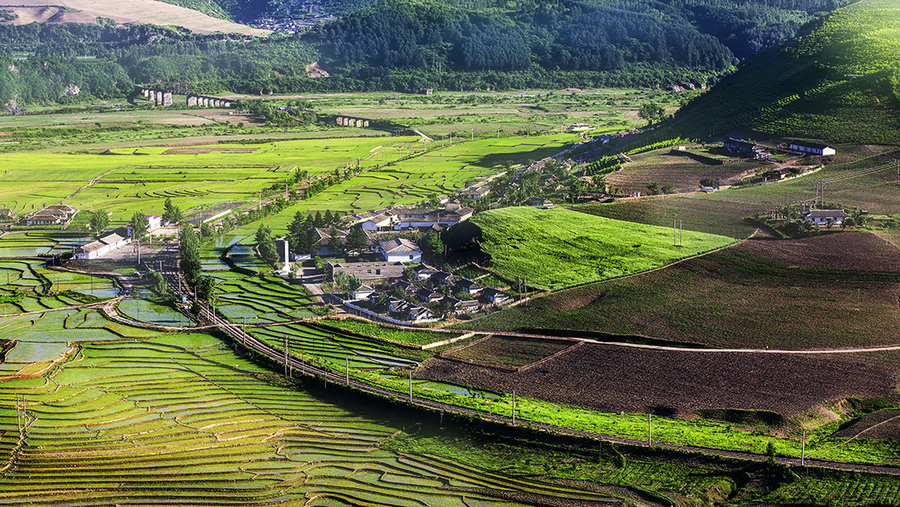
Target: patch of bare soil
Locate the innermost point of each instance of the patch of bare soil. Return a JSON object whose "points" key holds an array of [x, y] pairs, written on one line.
{"points": [[315, 69], [614, 378], [844, 250]]}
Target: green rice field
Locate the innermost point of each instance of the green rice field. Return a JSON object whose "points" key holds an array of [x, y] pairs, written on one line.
{"points": [[176, 418]]}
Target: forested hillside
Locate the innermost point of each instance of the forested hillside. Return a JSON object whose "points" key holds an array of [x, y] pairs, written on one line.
{"points": [[405, 45], [838, 83]]}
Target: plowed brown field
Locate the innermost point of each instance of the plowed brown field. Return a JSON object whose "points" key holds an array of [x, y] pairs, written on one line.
{"points": [[615, 378]]}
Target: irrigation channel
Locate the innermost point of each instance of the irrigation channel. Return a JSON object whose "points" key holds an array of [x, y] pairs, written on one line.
{"points": [[292, 363]]}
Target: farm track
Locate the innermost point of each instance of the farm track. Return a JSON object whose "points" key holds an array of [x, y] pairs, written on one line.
{"points": [[90, 184]]}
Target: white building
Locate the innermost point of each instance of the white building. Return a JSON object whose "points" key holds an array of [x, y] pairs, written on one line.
{"points": [[101, 247], [826, 216], [814, 148], [400, 250]]}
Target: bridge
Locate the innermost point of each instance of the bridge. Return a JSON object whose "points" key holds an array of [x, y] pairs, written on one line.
{"points": [[349, 121], [164, 98]]}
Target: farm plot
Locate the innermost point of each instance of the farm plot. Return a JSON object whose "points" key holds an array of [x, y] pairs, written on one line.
{"points": [[671, 167], [210, 175], [442, 172], [556, 248], [204, 424], [269, 299], [739, 297], [613, 378], [696, 213], [413, 337], [877, 192], [508, 351]]}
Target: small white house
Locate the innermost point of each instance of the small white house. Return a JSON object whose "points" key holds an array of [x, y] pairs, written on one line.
{"points": [[826, 216], [102, 246], [400, 250]]}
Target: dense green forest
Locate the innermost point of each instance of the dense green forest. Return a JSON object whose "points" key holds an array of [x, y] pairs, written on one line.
{"points": [[404, 45]]}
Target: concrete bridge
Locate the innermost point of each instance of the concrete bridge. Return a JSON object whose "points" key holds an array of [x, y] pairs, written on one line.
{"points": [[349, 121], [164, 98], [203, 101], [158, 97]]}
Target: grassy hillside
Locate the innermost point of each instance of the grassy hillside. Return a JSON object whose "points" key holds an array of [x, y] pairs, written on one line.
{"points": [[556, 248], [837, 83]]}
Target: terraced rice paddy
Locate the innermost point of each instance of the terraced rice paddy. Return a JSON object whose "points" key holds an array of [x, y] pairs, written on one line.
{"points": [[267, 299], [179, 418]]}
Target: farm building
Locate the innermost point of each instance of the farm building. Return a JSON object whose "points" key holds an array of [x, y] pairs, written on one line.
{"points": [[363, 292], [400, 250], [427, 295], [424, 271], [825, 216], [745, 149], [470, 286], [495, 296], [44, 219], [400, 218], [418, 313], [102, 246], [378, 223], [814, 148], [320, 239], [366, 270], [7, 214], [56, 214]]}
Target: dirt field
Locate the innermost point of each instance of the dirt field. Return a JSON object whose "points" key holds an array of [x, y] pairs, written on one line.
{"points": [[672, 167], [741, 297], [124, 12], [613, 378], [884, 424], [832, 251]]}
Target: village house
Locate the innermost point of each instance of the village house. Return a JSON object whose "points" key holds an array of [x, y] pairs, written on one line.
{"points": [[470, 286], [44, 219], [427, 295], [320, 239], [102, 246], [402, 218], [825, 216], [366, 270], [745, 149], [400, 250], [495, 295], [814, 148], [363, 292], [7, 214], [418, 313], [442, 278], [424, 271], [56, 214]]}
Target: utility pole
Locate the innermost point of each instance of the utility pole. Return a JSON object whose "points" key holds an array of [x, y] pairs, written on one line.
{"points": [[649, 429], [347, 361], [410, 386], [285, 355], [803, 449], [514, 408]]}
